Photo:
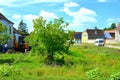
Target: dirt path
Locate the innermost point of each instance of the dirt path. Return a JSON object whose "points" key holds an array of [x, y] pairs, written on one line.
{"points": [[111, 46]]}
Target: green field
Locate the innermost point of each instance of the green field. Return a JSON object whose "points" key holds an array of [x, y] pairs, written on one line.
{"points": [[83, 62]]}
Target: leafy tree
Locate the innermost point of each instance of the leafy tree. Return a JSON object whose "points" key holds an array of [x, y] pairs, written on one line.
{"points": [[4, 36], [22, 27], [49, 38], [113, 26]]}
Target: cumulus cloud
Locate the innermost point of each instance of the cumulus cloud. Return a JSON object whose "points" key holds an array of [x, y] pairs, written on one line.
{"points": [[71, 4], [113, 20], [47, 15], [16, 16], [81, 17], [26, 18], [1, 10], [29, 17]]}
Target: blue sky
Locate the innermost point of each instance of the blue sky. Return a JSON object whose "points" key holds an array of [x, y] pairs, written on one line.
{"points": [[81, 14]]}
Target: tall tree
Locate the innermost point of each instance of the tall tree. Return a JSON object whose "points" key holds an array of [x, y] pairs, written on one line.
{"points": [[4, 36], [22, 27], [49, 38], [113, 26]]}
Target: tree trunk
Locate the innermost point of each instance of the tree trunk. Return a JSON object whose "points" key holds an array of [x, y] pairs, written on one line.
{"points": [[50, 58]]}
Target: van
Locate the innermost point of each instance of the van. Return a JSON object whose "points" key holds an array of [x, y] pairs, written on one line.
{"points": [[99, 42]]}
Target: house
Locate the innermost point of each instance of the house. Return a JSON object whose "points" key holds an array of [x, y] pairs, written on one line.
{"points": [[117, 32], [77, 37], [9, 24], [89, 35]]}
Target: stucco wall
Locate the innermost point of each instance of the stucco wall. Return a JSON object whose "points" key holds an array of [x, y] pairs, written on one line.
{"points": [[9, 25], [117, 35]]}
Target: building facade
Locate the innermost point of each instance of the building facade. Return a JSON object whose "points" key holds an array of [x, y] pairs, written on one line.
{"points": [[117, 32], [9, 24], [89, 35]]}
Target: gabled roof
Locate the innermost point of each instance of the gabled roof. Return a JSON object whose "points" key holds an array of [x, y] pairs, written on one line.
{"points": [[77, 35], [3, 17], [110, 31], [95, 33]]}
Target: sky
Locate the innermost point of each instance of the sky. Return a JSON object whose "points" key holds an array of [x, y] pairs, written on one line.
{"points": [[80, 14]]}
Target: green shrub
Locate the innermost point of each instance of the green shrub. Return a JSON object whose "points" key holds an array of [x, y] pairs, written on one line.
{"points": [[95, 73], [115, 76], [5, 70]]}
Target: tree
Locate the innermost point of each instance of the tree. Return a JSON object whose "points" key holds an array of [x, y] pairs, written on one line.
{"points": [[22, 27], [4, 36], [49, 38], [113, 26]]}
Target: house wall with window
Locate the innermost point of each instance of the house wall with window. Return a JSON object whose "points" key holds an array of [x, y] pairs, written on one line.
{"points": [[89, 35], [9, 24], [77, 37]]}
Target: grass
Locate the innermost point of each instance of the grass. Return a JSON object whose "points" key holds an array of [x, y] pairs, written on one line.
{"points": [[84, 62], [115, 44]]}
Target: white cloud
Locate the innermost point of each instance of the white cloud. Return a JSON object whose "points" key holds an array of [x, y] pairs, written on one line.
{"points": [[47, 15], [16, 16], [1, 10], [16, 3], [113, 20], [29, 17], [26, 18], [81, 17], [71, 4]]}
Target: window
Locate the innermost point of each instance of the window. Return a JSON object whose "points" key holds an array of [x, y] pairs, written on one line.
{"points": [[9, 29]]}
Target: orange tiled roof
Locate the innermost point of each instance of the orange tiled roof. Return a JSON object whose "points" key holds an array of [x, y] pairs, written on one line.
{"points": [[110, 31]]}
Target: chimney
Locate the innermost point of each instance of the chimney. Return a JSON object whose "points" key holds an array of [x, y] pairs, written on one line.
{"points": [[95, 30]]}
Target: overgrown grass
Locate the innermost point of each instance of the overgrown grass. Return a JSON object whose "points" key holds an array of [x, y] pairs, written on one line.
{"points": [[83, 62]]}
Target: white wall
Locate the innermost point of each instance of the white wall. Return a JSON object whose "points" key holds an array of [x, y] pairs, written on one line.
{"points": [[117, 35]]}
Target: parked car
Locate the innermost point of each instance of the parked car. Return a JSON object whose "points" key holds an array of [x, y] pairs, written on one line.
{"points": [[99, 42]]}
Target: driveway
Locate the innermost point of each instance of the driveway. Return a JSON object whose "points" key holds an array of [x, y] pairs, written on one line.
{"points": [[111, 46]]}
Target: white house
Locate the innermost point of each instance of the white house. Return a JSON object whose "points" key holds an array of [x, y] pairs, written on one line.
{"points": [[117, 32], [9, 24]]}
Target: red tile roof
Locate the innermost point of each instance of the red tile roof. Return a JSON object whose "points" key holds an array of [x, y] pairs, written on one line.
{"points": [[110, 31]]}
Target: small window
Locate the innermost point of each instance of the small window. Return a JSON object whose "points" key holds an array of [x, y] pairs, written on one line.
{"points": [[9, 29]]}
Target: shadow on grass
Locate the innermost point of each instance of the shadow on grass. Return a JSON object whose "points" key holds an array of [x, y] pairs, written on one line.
{"points": [[9, 61]]}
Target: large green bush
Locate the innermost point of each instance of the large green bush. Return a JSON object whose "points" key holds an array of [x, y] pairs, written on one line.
{"points": [[49, 38]]}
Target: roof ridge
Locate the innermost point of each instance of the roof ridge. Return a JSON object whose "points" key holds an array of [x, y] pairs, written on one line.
{"points": [[3, 17]]}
